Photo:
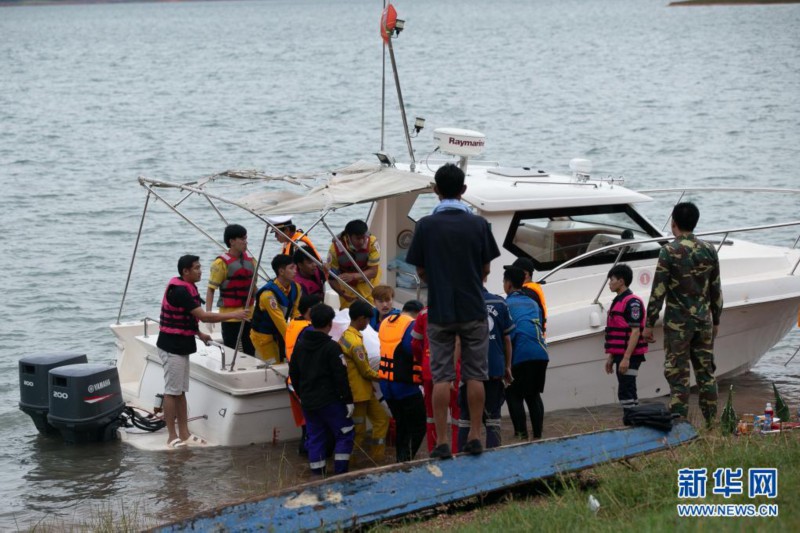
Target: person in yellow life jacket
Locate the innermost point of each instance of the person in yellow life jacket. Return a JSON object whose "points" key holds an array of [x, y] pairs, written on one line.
{"points": [[531, 289], [292, 237], [232, 273], [294, 330], [401, 376], [361, 375], [277, 302], [364, 250]]}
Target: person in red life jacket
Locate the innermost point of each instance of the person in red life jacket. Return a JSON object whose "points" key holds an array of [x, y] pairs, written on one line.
{"points": [[383, 297], [501, 326], [530, 288], [625, 345], [363, 248], [232, 273], [319, 374], [181, 308], [421, 351], [309, 276], [291, 237], [277, 302], [401, 376], [529, 357]]}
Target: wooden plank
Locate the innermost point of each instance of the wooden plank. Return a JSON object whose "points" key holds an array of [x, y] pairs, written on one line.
{"points": [[368, 496]]}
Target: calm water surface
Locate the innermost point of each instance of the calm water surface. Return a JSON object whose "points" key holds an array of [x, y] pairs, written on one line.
{"points": [[93, 96]]}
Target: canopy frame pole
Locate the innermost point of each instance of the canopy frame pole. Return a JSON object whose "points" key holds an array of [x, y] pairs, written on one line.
{"points": [[249, 299], [133, 256]]}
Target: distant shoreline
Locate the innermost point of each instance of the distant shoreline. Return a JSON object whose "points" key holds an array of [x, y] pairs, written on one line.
{"points": [[730, 2]]}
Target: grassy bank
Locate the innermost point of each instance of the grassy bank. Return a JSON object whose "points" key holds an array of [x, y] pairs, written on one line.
{"points": [[640, 494]]}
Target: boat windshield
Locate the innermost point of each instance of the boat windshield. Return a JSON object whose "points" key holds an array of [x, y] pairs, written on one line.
{"points": [[552, 236]]}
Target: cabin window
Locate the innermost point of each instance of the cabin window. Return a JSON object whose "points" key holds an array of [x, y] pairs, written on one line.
{"points": [[553, 236]]}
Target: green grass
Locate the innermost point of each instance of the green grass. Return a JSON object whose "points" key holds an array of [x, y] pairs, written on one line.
{"points": [[641, 494]]}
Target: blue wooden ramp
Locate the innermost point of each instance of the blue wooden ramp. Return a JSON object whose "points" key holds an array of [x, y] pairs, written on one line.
{"points": [[368, 496]]}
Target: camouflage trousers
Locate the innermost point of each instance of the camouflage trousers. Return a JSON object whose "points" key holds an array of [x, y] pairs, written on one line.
{"points": [[684, 344]]}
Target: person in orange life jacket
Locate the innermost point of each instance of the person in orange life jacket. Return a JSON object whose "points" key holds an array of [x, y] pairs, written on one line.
{"points": [[383, 297], [529, 356], [232, 273], [289, 234], [501, 326], [294, 330], [625, 346], [276, 303], [401, 375], [530, 288], [452, 250], [361, 376], [365, 251], [309, 276], [421, 350], [319, 374], [181, 308]]}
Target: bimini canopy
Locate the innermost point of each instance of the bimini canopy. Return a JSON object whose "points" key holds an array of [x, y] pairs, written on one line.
{"points": [[357, 183]]}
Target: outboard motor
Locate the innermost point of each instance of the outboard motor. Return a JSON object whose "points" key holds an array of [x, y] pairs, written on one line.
{"points": [[85, 402], [34, 399]]}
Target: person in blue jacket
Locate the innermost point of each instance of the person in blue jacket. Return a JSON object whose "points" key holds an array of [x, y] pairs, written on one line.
{"points": [[529, 356]]}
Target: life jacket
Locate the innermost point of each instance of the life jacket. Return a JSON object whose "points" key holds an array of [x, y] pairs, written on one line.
{"points": [[309, 285], [537, 294], [361, 256], [299, 239], [177, 320], [397, 364], [293, 332], [262, 322], [618, 332], [233, 291]]}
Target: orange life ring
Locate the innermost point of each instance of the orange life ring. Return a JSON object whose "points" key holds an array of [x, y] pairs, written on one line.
{"points": [[388, 22]]}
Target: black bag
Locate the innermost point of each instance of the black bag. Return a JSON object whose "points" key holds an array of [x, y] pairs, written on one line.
{"points": [[653, 415]]}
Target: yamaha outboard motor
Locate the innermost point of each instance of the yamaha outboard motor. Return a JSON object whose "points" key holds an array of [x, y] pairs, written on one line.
{"points": [[85, 402], [33, 385]]}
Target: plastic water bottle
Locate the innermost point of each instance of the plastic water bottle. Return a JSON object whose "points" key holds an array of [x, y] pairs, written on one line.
{"points": [[769, 415]]}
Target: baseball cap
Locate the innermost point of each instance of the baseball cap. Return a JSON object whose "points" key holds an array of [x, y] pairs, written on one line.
{"points": [[522, 263]]}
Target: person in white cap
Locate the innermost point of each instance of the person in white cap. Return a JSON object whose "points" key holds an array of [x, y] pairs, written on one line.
{"points": [[292, 237]]}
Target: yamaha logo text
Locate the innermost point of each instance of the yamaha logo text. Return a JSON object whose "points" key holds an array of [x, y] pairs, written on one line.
{"points": [[97, 386]]}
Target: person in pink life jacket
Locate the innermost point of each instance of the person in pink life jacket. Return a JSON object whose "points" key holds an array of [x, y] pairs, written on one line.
{"points": [[625, 346], [181, 309]]}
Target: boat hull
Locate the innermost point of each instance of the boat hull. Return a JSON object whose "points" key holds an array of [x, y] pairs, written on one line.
{"points": [[249, 405], [576, 376]]}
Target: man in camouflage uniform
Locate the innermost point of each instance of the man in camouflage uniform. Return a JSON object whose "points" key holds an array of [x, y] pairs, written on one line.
{"points": [[687, 276]]}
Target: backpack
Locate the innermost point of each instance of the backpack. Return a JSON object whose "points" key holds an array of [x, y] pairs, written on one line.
{"points": [[654, 415]]}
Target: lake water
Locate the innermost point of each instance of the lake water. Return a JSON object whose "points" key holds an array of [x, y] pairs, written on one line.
{"points": [[93, 96]]}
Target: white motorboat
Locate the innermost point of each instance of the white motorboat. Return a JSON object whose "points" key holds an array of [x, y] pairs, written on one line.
{"points": [[574, 227], [571, 226]]}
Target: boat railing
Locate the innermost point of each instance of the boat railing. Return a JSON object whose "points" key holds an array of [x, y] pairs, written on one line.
{"points": [[147, 319], [683, 190], [414, 277], [623, 246]]}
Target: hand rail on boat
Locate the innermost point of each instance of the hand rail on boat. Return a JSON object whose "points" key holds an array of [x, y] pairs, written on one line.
{"points": [[417, 281], [145, 319], [628, 243], [684, 190]]}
